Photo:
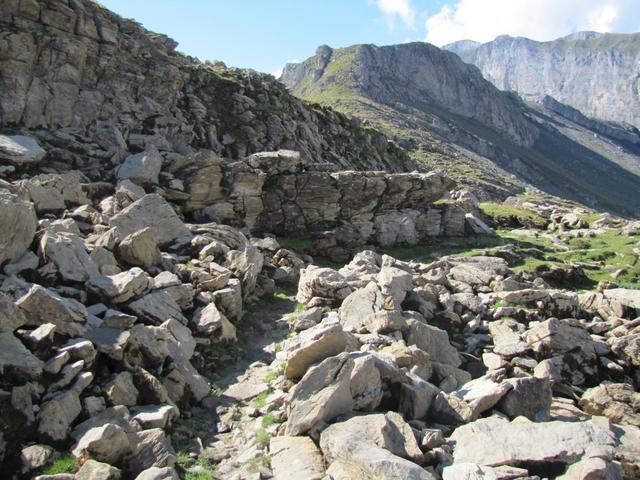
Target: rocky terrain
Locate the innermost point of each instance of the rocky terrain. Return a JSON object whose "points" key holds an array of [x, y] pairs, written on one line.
{"points": [[592, 72], [449, 117], [202, 277]]}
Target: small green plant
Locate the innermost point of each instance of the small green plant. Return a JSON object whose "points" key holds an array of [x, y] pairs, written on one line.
{"points": [[280, 296], [299, 308], [199, 476], [270, 377], [268, 420], [262, 437], [261, 400], [65, 464]]}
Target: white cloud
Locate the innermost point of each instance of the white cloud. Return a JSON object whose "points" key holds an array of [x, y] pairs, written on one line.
{"points": [[393, 9], [483, 20]]}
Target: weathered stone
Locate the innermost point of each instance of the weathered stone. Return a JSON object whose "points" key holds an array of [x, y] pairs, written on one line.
{"points": [[41, 306], [468, 471], [312, 346], [16, 362], [40, 337], [118, 415], [110, 341], [57, 415], [11, 317], [157, 307], [433, 341], [20, 149], [92, 470], [359, 305], [154, 212], [121, 287], [493, 441], [155, 416], [366, 383], [150, 448], [394, 284], [416, 398], [627, 348], [18, 221], [372, 447], [142, 168], [108, 443], [483, 393], [296, 458], [321, 282], [450, 410], [529, 397], [67, 251], [140, 249], [560, 336], [322, 394], [617, 401], [209, 321], [121, 390], [35, 457], [157, 473]]}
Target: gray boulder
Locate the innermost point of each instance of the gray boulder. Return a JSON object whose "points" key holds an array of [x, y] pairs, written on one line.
{"points": [[18, 224], [322, 394], [359, 305], [92, 470], [121, 287], [154, 212], [41, 306], [20, 149], [108, 443], [67, 251], [433, 341], [57, 415], [140, 249], [142, 168], [16, 361], [150, 448], [296, 458], [529, 397], [321, 282]]}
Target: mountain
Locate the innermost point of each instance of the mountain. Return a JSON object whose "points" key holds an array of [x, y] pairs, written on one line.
{"points": [[449, 117], [599, 74]]}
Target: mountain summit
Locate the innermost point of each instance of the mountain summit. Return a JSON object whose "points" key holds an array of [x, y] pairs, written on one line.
{"points": [[599, 74]]}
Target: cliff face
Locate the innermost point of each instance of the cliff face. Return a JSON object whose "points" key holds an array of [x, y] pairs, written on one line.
{"points": [[599, 74], [449, 117], [94, 80]]}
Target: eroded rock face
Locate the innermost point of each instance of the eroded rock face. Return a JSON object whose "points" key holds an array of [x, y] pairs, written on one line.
{"points": [[19, 222]]}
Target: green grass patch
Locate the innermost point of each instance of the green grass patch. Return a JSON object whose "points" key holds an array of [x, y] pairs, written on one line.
{"points": [[296, 244], [268, 420], [270, 377], [261, 400], [509, 215], [262, 437], [65, 464]]}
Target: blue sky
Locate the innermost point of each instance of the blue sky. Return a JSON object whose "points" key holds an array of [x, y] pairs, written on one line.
{"points": [[264, 35]]}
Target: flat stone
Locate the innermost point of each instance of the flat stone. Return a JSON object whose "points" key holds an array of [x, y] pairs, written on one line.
{"points": [[295, 458], [20, 149], [121, 287], [155, 416], [16, 361], [41, 306], [243, 392]]}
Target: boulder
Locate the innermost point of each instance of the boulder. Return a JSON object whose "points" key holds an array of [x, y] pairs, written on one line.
{"points": [[321, 282], [433, 341], [35, 457], [359, 305], [376, 446], [18, 224], [210, 322], [321, 395], [483, 393], [394, 284], [118, 415], [468, 471], [121, 390], [108, 443], [246, 264], [41, 306], [154, 212], [556, 336], [150, 448], [142, 168], [92, 470], [140, 249], [20, 149], [11, 317], [366, 383], [67, 251], [312, 346], [157, 473], [529, 397], [16, 361], [493, 441], [616, 401], [121, 287], [155, 416], [110, 341], [156, 308], [627, 348], [295, 458], [57, 415]]}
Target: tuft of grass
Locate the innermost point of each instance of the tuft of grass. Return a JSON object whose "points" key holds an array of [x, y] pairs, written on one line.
{"points": [[262, 437], [296, 244], [261, 400], [270, 377], [268, 420], [509, 215], [65, 464]]}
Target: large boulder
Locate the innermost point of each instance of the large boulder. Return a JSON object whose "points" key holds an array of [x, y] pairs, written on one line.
{"points": [[296, 458], [108, 443], [321, 282], [312, 346], [57, 415], [16, 361], [18, 224], [376, 446], [394, 284], [142, 168], [494, 441], [529, 397], [140, 249], [433, 341], [41, 306], [617, 401], [20, 149], [67, 251], [359, 305], [150, 448], [322, 394], [154, 212], [121, 287], [11, 317]]}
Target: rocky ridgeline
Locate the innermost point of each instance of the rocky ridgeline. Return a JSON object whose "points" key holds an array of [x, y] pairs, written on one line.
{"points": [[92, 85]]}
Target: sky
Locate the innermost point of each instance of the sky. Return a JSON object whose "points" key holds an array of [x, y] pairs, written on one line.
{"points": [[266, 34]]}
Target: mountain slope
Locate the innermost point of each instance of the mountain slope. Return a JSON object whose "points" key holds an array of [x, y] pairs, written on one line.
{"points": [[451, 118], [599, 74]]}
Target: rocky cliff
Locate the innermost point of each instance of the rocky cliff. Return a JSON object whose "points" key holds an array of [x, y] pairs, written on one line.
{"points": [[96, 85], [599, 74], [449, 117]]}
